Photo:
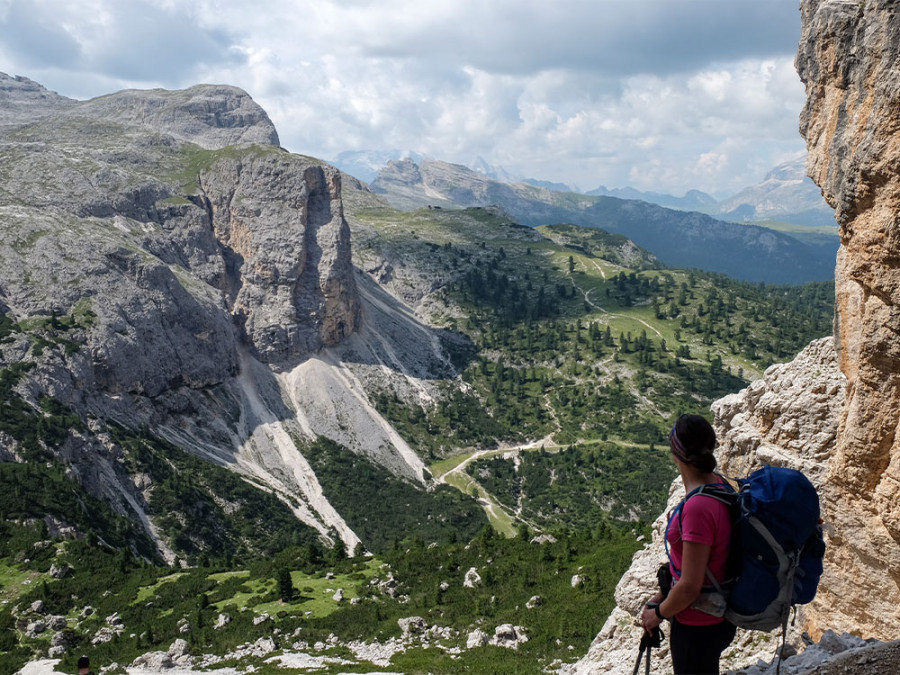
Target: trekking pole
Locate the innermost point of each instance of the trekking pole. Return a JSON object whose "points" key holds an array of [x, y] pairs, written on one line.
{"points": [[648, 642]]}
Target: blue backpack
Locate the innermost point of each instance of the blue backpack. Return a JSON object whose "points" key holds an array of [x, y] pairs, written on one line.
{"points": [[777, 547]]}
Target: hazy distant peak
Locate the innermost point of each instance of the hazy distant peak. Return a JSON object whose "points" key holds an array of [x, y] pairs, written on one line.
{"points": [[795, 170], [491, 171], [693, 200], [786, 193], [365, 164]]}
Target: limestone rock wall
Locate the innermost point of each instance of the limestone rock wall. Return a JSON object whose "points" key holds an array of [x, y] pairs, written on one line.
{"points": [[191, 251], [849, 60], [154, 244], [288, 275]]}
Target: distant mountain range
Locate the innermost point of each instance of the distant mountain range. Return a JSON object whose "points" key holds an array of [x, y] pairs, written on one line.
{"points": [[679, 238], [365, 164], [785, 195], [693, 200]]}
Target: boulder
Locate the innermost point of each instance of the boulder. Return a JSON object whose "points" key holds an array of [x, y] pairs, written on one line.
{"points": [[35, 628], [263, 647], [59, 571], [477, 638], [178, 648], [103, 635], [413, 625], [57, 622], [65, 638], [509, 636], [472, 578], [154, 661]]}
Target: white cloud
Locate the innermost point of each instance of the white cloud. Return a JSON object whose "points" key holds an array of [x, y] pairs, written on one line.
{"points": [[662, 94]]}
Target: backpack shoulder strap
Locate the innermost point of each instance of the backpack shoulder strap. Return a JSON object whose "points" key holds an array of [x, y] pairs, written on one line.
{"points": [[725, 492]]}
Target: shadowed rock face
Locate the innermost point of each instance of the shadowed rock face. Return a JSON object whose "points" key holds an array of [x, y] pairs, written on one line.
{"points": [[849, 60]]}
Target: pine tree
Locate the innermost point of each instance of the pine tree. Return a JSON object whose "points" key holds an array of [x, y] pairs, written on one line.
{"points": [[285, 585]]}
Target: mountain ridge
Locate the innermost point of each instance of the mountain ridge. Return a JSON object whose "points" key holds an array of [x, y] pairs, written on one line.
{"points": [[784, 195], [678, 238]]}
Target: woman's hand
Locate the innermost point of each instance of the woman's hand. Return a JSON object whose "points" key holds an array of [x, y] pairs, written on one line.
{"points": [[649, 620]]}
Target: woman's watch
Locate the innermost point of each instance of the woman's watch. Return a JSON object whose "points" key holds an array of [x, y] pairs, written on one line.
{"points": [[655, 606]]}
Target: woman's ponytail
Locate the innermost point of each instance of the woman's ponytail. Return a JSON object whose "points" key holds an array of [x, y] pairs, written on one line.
{"points": [[698, 440]]}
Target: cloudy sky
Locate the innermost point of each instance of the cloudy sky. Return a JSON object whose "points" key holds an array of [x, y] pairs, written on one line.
{"points": [[662, 95]]}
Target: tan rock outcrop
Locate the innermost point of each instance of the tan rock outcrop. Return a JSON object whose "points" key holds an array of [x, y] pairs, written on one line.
{"points": [[849, 60]]}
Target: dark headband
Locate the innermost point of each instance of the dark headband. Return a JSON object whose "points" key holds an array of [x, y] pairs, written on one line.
{"points": [[677, 447]]}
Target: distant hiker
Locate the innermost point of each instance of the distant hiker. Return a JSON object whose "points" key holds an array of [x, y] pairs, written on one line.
{"points": [[84, 666], [697, 539]]}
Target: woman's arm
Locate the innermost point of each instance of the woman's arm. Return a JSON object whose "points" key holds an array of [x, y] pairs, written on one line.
{"points": [[694, 562]]}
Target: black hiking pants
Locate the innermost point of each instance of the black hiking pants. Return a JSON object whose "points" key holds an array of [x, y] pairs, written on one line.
{"points": [[696, 649]]}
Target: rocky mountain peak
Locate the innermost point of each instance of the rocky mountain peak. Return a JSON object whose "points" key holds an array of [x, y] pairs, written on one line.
{"points": [[24, 100], [211, 116]]}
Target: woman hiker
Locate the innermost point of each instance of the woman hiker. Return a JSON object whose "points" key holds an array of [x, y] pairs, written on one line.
{"points": [[697, 538]]}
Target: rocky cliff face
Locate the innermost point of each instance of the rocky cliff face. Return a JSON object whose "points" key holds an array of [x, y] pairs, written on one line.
{"points": [[286, 274], [264, 228], [849, 60]]}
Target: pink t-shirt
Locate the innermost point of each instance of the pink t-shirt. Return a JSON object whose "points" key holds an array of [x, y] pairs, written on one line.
{"points": [[704, 520]]}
